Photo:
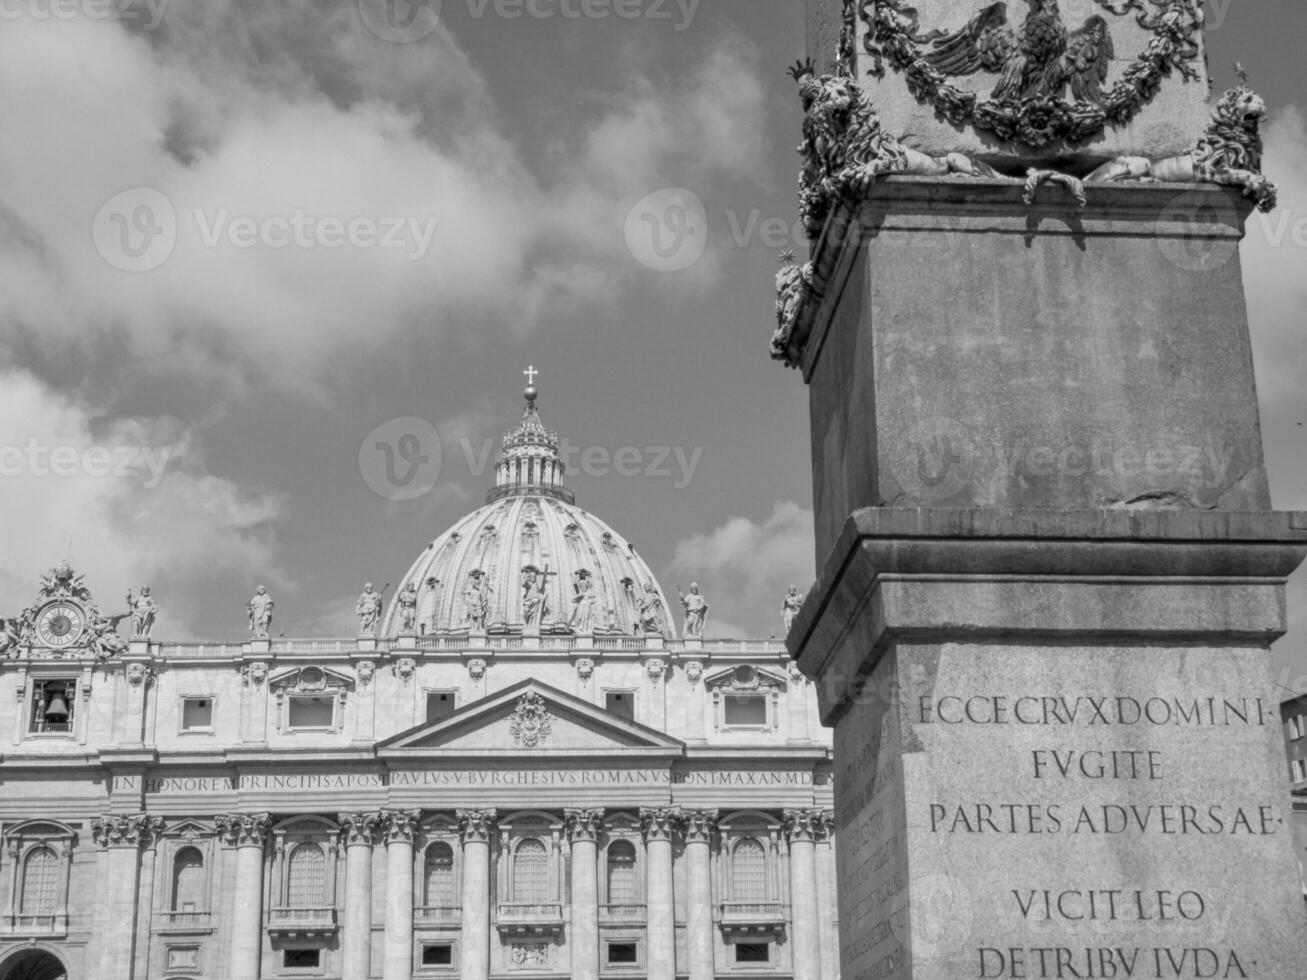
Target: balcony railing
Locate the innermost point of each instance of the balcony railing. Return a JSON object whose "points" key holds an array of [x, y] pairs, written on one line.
{"points": [[614, 912], [189, 921], [286, 647], [435, 915], [752, 918], [302, 922], [43, 924], [519, 919]]}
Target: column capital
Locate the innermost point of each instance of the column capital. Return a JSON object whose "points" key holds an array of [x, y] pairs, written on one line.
{"points": [[825, 824], [582, 823], [243, 829], [659, 822], [700, 825], [127, 830], [476, 825], [398, 826], [359, 828], [804, 824]]}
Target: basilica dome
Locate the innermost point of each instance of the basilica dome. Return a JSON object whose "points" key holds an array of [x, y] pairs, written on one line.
{"points": [[530, 559]]}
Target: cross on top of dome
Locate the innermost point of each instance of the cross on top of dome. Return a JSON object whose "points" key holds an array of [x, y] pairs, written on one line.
{"points": [[529, 462]]}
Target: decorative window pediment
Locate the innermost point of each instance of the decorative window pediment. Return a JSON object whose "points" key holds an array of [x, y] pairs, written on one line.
{"points": [[745, 698], [310, 698], [744, 678], [39, 858], [304, 878]]}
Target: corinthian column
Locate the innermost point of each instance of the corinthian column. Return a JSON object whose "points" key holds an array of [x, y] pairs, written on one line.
{"points": [[122, 835], [802, 828], [359, 834], [247, 832], [700, 826], [827, 927], [583, 833], [399, 828], [475, 828], [659, 825]]}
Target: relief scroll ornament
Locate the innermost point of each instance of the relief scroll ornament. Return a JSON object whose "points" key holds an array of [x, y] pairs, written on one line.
{"points": [[476, 825], [126, 830], [243, 829], [583, 824]]}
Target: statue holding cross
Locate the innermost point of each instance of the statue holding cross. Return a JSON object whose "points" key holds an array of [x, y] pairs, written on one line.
{"points": [[535, 600]]}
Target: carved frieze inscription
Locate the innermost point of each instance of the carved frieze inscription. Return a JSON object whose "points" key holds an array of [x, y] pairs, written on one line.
{"points": [[1064, 814]]}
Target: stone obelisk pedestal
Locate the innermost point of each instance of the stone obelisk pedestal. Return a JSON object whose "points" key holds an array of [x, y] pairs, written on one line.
{"points": [[1050, 579]]}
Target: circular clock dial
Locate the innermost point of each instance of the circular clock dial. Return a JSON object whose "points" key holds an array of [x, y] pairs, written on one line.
{"points": [[60, 624]]}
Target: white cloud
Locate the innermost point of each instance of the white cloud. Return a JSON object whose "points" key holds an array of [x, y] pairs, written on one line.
{"points": [[744, 567], [65, 482], [238, 113]]}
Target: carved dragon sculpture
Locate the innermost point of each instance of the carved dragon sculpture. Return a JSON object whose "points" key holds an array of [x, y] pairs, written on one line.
{"points": [[1228, 153], [844, 148]]}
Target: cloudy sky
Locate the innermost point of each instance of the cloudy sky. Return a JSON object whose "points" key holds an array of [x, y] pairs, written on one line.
{"points": [[241, 243]]}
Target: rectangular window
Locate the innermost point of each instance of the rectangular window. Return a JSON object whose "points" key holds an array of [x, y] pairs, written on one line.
{"points": [[623, 953], [752, 952], [440, 704], [311, 712], [53, 702], [197, 714], [440, 954], [746, 710], [1299, 770], [1295, 726], [621, 703], [301, 959]]}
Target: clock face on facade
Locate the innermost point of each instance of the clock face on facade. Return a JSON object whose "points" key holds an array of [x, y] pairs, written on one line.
{"points": [[60, 624]]}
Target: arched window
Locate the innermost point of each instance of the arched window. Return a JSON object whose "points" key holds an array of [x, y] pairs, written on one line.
{"points": [[188, 880], [621, 873], [306, 878], [40, 882], [439, 875], [531, 872], [749, 871]]}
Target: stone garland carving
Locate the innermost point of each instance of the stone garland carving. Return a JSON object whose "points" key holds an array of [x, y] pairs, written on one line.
{"points": [[138, 674], [476, 825], [359, 828], [476, 668], [656, 669], [585, 667], [530, 954], [845, 149], [126, 830], [404, 668], [1228, 153], [583, 824], [255, 673], [693, 671], [366, 669], [700, 825], [659, 822], [531, 720], [243, 829], [1035, 63], [398, 826]]}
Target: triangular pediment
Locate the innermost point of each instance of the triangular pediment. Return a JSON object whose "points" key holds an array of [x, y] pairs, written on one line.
{"points": [[531, 718]]}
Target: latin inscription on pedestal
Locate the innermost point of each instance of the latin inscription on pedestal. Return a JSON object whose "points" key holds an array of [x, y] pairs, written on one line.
{"points": [[1067, 814]]}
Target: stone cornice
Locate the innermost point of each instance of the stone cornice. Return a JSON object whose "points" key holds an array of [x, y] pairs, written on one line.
{"points": [[399, 826], [359, 828], [243, 829], [476, 825], [583, 824], [659, 822]]}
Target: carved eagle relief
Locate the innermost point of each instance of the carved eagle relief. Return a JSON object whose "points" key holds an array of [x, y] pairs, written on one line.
{"points": [[1038, 60]]}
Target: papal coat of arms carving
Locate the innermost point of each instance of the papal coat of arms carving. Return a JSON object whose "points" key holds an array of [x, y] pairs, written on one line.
{"points": [[531, 720], [1038, 74]]}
